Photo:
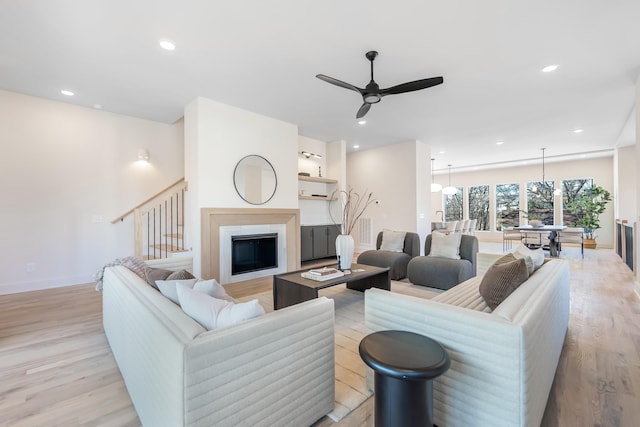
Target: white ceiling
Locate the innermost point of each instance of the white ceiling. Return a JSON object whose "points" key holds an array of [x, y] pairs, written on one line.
{"points": [[263, 56]]}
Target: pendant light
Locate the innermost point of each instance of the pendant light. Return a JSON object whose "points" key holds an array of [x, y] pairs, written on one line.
{"points": [[449, 190], [534, 189], [434, 187]]}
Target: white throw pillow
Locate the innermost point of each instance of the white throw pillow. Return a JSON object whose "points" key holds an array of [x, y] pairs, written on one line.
{"points": [[213, 313], [212, 288], [445, 245], [536, 255], [168, 287], [392, 241]]}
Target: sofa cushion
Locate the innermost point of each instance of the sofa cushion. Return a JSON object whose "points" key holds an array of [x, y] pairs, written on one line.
{"points": [[392, 241], [501, 280], [213, 313], [536, 255], [212, 288], [510, 257], [445, 245], [153, 274], [168, 287]]}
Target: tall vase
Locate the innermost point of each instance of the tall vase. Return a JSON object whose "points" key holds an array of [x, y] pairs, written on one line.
{"points": [[344, 250]]}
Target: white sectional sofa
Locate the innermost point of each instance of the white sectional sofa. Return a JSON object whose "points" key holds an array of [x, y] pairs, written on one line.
{"points": [[502, 362], [277, 369]]}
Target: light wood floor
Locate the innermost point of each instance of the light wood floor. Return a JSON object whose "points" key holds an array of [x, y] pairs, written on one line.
{"points": [[56, 368]]}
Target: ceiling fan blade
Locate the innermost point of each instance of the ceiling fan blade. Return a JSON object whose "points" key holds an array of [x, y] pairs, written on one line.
{"points": [[411, 86], [338, 83], [363, 110]]}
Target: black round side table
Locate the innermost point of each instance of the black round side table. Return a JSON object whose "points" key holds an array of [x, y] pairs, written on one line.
{"points": [[404, 364]]}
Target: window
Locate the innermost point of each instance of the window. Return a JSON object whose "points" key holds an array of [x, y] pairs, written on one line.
{"points": [[540, 201], [572, 188], [453, 208], [507, 205], [479, 206]]}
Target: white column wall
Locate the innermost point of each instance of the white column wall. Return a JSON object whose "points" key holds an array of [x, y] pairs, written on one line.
{"points": [[217, 136]]}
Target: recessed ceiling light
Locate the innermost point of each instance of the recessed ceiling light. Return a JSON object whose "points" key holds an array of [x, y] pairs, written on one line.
{"points": [[578, 130], [499, 142], [356, 146], [167, 45], [362, 122], [66, 92], [441, 152], [97, 106], [550, 68]]}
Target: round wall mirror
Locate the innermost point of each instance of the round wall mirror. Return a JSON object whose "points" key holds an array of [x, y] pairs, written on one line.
{"points": [[255, 179]]}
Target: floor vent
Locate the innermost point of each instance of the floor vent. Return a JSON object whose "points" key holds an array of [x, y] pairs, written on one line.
{"points": [[365, 231]]}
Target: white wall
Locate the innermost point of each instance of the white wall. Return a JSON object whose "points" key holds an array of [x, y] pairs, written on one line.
{"points": [[600, 169], [217, 136], [625, 199], [65, 173], [395, 176]]}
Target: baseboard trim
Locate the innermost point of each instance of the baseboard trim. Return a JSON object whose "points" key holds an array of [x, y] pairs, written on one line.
{"points": [[15, 288]]}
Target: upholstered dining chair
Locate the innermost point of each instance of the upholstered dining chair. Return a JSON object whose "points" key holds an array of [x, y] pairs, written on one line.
{"points": [[473, 226], [573, 235], [509, 235], [465, 226], [459, 226], [451, 225]]}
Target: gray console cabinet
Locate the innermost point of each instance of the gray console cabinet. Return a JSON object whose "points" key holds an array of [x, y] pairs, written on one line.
{"points": [[318, 241]]}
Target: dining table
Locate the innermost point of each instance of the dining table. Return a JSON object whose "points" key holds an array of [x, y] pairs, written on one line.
{"points": [[553, 235]]}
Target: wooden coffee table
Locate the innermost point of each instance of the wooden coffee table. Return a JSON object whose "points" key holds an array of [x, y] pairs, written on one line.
{"points": [[291, 288]]}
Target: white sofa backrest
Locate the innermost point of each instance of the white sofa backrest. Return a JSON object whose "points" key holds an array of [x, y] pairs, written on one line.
{"points": [[534, 291]]}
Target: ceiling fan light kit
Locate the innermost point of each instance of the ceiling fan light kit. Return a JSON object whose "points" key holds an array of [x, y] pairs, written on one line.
{"points": [[372, 94]]}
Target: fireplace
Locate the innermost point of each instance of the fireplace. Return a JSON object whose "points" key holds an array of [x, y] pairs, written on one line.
{"points": [[253, 252]]}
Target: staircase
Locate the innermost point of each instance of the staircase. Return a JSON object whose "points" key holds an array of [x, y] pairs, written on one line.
{"points": [[158, 223]]}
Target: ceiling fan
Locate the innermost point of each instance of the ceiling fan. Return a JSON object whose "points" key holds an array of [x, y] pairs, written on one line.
{"points": [[372, 94]]}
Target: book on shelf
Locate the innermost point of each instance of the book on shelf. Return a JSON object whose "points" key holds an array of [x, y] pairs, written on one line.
{"points": [[323, 276]]}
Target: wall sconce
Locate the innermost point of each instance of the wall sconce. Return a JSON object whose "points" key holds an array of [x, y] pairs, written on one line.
{"points": [[308, 154], [143, 155]]}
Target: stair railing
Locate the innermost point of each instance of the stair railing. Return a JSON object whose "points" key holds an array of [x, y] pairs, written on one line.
{"points": [[625, 238], [159, 223]]}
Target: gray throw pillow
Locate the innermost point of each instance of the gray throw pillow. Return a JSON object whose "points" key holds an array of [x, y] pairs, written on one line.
{"points": [[180, 275], [510, 257], [153, 274], [501, 280]]}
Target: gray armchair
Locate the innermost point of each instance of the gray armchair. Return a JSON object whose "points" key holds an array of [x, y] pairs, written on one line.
{"points": [[396, 261], [444, 273]]}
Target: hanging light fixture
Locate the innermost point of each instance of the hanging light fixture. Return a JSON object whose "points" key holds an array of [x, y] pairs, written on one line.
{"points": [[449, 190], [534, 188], [434, 187]]}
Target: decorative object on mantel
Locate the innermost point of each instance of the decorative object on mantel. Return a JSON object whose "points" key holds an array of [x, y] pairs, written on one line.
{"points": [[588, 207], [353, 206], [304, 174]]}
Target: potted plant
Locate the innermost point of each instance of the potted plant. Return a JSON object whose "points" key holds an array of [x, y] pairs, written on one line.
{"points": [[587, 208], [353, 206]]}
